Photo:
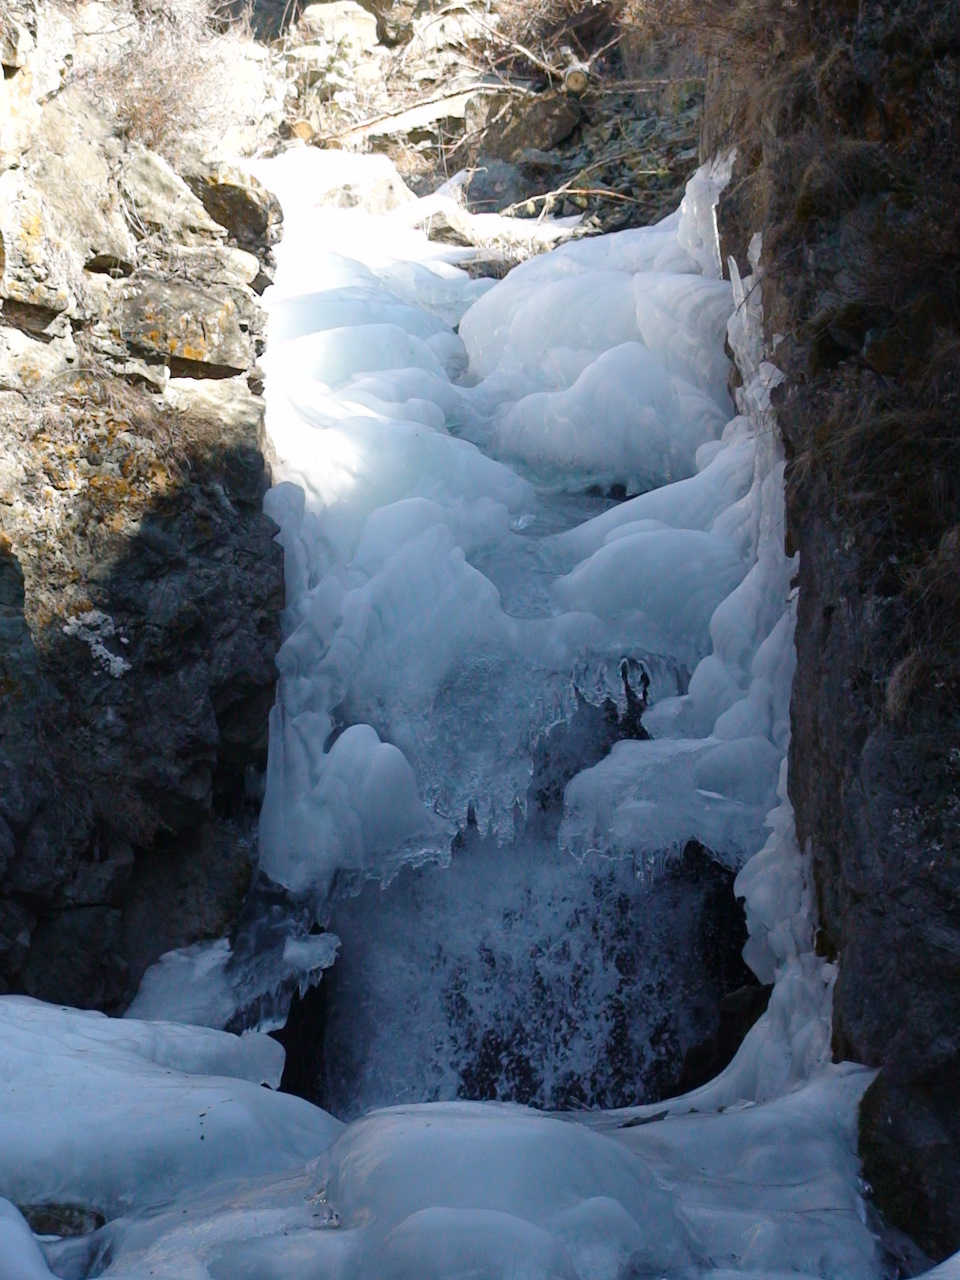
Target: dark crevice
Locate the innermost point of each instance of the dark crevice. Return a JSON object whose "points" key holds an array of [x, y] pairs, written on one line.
{"points": [[302, 1038], [200, 369], [107, 264], [29, 318]]}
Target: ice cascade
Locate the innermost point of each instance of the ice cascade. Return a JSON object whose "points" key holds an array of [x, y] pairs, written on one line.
{"points": [[452, 597]]}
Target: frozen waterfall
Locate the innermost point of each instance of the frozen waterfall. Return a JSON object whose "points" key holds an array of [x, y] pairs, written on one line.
{"points": [[463, 592]]}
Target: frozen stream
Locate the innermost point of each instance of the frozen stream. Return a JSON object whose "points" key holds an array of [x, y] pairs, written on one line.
{"points": [[459, 784]]}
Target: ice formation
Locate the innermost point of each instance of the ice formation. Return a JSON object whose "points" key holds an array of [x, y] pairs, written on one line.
{"points": [[121, 1115], [432, 638], [452, 596], [209, 985], [202, 1173]]}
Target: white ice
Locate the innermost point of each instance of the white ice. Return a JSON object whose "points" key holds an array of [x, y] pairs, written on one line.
{"points": [[423, 605], [209, 985], [205, 1176], [448, 1191], [119, 1114]]}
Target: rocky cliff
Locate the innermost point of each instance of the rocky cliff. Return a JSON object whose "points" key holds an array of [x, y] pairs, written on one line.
{"points": [[849, 164], [140, 585]]}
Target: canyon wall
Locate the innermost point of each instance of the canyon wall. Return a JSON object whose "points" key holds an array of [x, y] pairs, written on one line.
{"points": [[844, 117], [140, 585]]}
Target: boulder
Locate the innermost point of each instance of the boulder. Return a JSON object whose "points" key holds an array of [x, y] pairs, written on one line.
{"points": [[237, 201], [310, 63], [19, 116], [26, 361], [339, 22], [213, 264], [495, 185], [55, 43], [389, 193], [33, 272], [208, 331], [158, 200], [531, 123], [16, 43], [225, 400], [70, 167], [38, 45]]}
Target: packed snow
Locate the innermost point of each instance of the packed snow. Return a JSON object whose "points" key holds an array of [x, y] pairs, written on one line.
{"points": [[210, 1176], [460, 584]]}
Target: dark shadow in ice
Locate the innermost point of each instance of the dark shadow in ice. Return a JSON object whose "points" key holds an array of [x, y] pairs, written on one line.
{"points": [[519, 974]]}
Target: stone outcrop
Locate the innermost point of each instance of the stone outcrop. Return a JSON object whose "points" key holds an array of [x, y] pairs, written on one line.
{"points": [[140, 585], [514, 126], [877, 797]]}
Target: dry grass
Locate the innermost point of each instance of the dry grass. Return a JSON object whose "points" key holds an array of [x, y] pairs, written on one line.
{"points": [[545, 36], [169, 75]]}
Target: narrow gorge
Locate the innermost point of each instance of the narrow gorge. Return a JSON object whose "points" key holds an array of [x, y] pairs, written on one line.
{"points": [[485, 677]]}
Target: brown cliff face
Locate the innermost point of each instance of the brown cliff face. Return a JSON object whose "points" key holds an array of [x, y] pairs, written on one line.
{"points": [[849, 162], [140, 586]]}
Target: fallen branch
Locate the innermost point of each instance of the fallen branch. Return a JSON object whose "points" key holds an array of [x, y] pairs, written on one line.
{"points": [[419, 103], [644, 86]]}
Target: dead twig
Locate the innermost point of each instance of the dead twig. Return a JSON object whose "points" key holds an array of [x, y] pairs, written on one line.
{"points": [[447, 96], [549, 198], [551, 72]]}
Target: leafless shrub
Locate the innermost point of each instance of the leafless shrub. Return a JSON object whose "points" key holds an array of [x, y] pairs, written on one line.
{"points": [[168, 76]]}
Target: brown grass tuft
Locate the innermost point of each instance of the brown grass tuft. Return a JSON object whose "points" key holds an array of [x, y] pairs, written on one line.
{"points": [[168, 77]]}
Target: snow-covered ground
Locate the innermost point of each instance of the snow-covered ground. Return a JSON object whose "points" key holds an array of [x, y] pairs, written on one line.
{"points": [[453, 596]]}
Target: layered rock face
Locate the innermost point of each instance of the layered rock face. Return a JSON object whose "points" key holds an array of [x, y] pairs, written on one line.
{"points": [[851, 171], [140, 585]]}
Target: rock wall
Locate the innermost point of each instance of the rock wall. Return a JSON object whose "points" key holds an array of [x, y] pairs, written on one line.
{"points": [[849, 166], [140, 585]]}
